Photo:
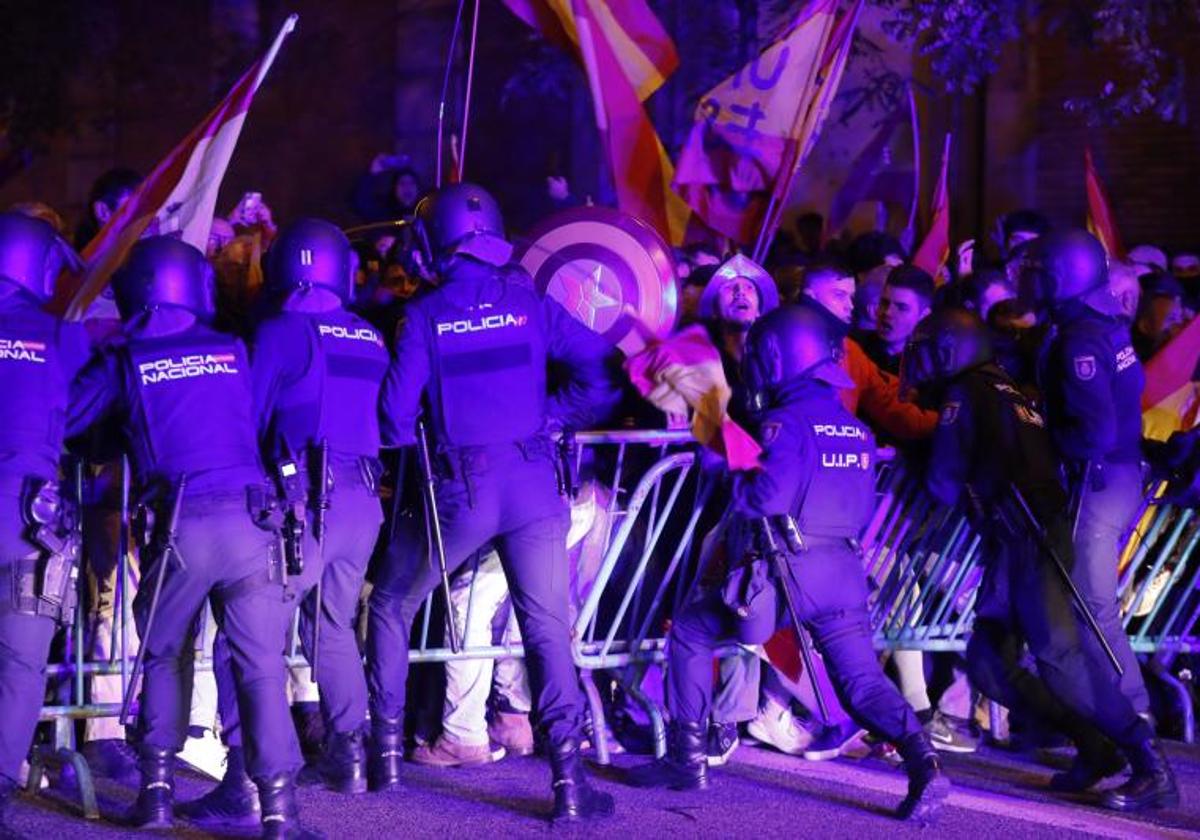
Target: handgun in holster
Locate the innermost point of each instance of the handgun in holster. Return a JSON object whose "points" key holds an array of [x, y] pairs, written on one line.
{"points": [[291, 487], [50, 588]]}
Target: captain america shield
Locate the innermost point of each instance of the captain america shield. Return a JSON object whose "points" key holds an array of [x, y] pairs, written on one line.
{"points": [[611, 271]]}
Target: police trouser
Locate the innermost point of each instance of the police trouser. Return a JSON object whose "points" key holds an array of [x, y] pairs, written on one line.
{"points": [[1023, 600], [510, 499], [24, 642], [830, 593], [226, 559], [1106, 508], [352, 528]]}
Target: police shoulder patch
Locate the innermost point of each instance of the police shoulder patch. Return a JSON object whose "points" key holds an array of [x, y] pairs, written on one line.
{"points": [[770, 431], [949, 413], [1085, 368]]}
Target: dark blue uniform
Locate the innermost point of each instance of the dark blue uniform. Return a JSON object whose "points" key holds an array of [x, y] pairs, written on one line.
{"points": [[317, 378], [989, 439], [1092, 382], [39, 356], [183, 396], [818, 465], [478, 347]]}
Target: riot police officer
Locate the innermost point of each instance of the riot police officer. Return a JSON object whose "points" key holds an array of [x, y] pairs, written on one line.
{"points": [[317, 370], [817, 481], [182, 393], [478, 348], [1091, 382], [992, 446], [39, 355]]}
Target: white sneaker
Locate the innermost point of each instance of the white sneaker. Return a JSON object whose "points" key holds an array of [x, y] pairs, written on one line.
{"points": [[776, 727], [205, 755]]}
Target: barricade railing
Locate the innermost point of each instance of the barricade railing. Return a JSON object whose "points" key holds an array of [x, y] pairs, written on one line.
{"points": [[924, 563]]}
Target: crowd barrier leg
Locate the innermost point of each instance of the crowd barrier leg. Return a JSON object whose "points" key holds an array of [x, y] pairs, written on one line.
{"points": [[599, 722], [48, 757]]}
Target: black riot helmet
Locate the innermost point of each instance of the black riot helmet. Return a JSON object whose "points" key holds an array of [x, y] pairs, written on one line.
{"points": [[165, 271], [31, 254], [948, 342], [1062, 266], [310, 253], [462, 219], [788, 344]]}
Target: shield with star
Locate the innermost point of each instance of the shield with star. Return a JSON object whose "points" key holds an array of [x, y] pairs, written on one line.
{"points": [[608, 269]]}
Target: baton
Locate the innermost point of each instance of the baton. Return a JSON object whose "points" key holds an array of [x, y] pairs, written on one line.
{"points": [[435, 527], [164, 557], [320, 507], [806, 654], [1081, 605]]}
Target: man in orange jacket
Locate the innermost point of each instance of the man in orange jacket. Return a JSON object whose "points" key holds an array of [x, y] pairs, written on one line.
{"points": [[875, 396]]}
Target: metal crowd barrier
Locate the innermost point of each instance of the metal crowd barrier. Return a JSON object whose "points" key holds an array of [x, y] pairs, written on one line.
{"points": [[923, 561]]}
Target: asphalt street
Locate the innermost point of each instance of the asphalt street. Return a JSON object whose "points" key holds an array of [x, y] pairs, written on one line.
{"points": [[761, 794]]}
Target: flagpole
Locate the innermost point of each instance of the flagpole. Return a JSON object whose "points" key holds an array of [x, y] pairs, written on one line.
{"points": [[441, 115], [286, 29], [462, 149], [911, 228], [770, 218]]}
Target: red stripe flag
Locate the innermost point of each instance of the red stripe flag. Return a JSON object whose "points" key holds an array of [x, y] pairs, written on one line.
{"points": [[177, 198], [627, 55], [1100, 219], [684, 371], [935, 248], [754, 129]]}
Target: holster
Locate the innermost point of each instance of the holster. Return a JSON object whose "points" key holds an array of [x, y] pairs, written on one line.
{"points": [[47, 585]]}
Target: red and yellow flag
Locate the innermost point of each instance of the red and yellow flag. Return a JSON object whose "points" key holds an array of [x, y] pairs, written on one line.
{"points": [[1100, 220], [931, 255], [627, 55], [177, 198]]}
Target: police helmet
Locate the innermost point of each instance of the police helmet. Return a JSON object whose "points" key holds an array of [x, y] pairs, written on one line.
{"points": [[165, 271], [787, 344], [1061, 266], [309, 253], [31, 254], [948, 342], [462, 219]]}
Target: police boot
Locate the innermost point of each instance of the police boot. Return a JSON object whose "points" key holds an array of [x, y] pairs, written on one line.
{"points": [[343, 764], [280, 814], [1096, 758], [233, 802], [684, 767], [1152, 784], [387, 753], [574, 797], [928, 787], [155, 805]]}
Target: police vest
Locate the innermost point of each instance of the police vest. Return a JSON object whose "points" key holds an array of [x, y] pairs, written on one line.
{"points": [[839, 494], [192, 410], [33, 382], [338, 400], [489, 367]]}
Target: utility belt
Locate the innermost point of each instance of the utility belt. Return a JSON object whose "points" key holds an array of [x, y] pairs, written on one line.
{"points": [[460, 463], [46, 585]]}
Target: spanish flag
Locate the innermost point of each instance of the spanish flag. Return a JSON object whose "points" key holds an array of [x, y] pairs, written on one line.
{"points": [[1100, 221], [627, 56], [935, 247], [177, 198]]}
